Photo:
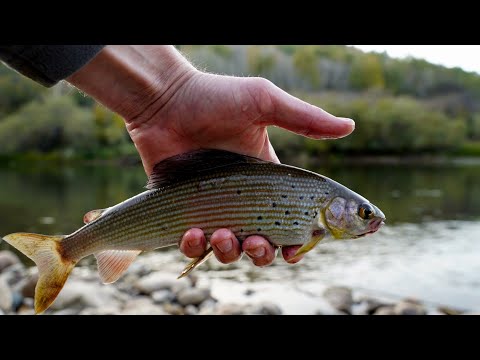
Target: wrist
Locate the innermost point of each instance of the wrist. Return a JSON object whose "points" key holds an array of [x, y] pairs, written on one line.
{"points": [[134, 81]]}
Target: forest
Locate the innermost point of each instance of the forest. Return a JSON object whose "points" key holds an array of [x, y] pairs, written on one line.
{"points": [[401, 106]]}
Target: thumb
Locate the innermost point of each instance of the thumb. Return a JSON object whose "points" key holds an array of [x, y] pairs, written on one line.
{"points": [[305, 119]]}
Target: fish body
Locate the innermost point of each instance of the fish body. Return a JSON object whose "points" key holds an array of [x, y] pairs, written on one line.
{"points": [[207, 189]]}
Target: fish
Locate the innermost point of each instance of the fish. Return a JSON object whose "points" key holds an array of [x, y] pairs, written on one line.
{"points": [[207, 189]]}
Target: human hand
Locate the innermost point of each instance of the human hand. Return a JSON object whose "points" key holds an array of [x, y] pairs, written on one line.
{"points": [[183, 109]]}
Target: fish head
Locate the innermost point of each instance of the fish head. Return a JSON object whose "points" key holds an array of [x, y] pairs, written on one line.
{"points": [[351, 218]]}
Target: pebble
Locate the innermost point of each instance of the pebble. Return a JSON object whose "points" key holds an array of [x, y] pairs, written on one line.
{"points": [[340, 297], [142, 306], [226, 309], [191, 310], [7, 258], [173, 309], [27, 286], [192, 296], [160, 281], [162, 296], [406, 307], [385, 310], [6, 296], [265, 308]]}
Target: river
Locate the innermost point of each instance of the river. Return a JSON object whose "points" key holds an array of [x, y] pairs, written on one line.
{"points": [[429, 248]]}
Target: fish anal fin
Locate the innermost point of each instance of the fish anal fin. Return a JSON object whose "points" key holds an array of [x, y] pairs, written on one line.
{"points": [[196, 263], [113, 263], [93, 215], [317, 236]]}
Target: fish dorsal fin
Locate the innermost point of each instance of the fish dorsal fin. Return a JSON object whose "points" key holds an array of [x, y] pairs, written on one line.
{"points": [[186, 165], [93, 215], [113, 263]]}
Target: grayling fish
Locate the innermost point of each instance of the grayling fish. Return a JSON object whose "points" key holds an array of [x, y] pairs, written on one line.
{"points": [[207, 189]]}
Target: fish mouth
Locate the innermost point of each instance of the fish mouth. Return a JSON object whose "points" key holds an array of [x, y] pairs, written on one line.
{"points": [[374, 225]]}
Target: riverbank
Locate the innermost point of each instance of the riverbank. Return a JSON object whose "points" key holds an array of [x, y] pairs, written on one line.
{"points": [[150, 287]]}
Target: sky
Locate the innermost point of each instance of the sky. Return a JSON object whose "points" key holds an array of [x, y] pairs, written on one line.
{"points": [[466, 57]]}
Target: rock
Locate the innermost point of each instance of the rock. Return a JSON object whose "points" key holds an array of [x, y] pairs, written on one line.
{"points": [[471, 313], [28, 302], [192, 296], [448, 311], [173, 309], [27, 286], [14, 274], [66, 312], [208, 304], [366, 306], [385, 310], [160, 281], [162, 296], [6, 296], [229, 309], [265, 308], [409, 308], [191, 310], [81, 294], [17, 301], [142, 306], [249, 292], [339, 297], [1, 312], [7, 258], [25, 311], [106, 310]]}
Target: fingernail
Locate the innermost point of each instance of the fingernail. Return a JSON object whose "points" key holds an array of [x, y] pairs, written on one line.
{"points": [[194, 242], [225, 246], [258, 252], [348, 120]]}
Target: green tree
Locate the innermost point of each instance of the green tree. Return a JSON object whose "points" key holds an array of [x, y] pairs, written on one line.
{"points": [[367, 73], [305, 62]]}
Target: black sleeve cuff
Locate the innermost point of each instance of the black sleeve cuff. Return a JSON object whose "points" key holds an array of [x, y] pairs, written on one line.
{"points": [[48, 64]]}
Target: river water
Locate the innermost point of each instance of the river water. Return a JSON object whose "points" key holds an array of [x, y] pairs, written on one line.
{"points": [[429, 249]]}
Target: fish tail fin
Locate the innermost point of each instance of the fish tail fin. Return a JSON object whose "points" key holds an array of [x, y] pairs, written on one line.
{"points": [[53, 268]]}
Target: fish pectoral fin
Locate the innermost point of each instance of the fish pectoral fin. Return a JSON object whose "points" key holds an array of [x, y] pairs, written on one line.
{"points": [[93, 215], [317, 236], [113, 263], [196, 262]]}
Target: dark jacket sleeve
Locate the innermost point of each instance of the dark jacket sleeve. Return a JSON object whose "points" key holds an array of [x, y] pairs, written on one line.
{"points": [[48, 64]]}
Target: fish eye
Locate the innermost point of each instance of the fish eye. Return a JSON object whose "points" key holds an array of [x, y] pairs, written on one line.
{"points": [[365, 211]]}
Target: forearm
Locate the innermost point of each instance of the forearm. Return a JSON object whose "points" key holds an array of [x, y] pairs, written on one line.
{"points": [[129, 79]]}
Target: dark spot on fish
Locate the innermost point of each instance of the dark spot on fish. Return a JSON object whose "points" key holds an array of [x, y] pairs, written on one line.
{"points": [[295, 223], [259, 229], [164, 228], [293, 186], [239, 192], [284, 196], [259, 218], [241, 230], [301, 197], [314, 214], [326, 192], [312, 197], [274, 205], [287, 212], [306, 212], [277, 223]]}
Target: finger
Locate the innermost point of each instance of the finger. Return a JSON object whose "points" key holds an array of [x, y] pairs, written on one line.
{"points": [[268, 152], [225, 246], [193, 243], [259, 250], [305, 119], [289, 252]]}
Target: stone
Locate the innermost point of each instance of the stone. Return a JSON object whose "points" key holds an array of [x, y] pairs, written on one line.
{"points": [[25, 311], [7, 258], [6, 296], [208, 304], [229, 309], [27, 286], [1, 312], [142, 306], [192, 296], [106, 310], [339, 297], [160, 281], [162, 296], [448, 310], [385, 310], [366, 306], [81, 294], [191, 310], [409, 308], [265, 308], [173, 309], [65, 312]]}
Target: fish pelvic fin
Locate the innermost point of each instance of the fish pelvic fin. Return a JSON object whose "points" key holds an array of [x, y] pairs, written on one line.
{"points": [[196, 262], [317, 236], [113, 263], [53, 269]]}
